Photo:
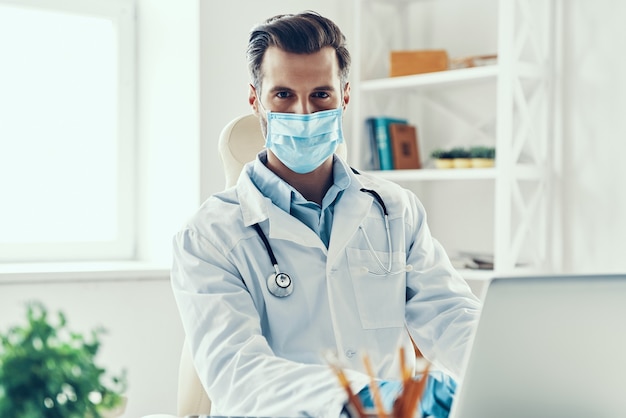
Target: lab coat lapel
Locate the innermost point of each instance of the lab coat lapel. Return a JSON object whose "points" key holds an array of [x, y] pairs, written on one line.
{"points": [[252, 203], [350, 212], [256, 208], [286, 227]]}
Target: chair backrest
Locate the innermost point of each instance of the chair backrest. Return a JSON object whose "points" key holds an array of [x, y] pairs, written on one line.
{"points": [[240, 141], [192, 398]]}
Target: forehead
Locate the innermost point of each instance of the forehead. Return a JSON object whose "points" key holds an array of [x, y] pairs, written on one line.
{"points": [[281, 68]]}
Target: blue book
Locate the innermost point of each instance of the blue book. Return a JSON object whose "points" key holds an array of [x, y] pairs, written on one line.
{"points": [[370, 158], [383, 139]]}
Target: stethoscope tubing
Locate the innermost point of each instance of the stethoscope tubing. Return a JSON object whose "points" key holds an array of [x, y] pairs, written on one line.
{"points": [[270, 252], [280, 290], [383, 207], [279, 284]]}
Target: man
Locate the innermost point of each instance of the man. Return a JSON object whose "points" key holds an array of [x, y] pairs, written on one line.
{"points": [[305, 256]]}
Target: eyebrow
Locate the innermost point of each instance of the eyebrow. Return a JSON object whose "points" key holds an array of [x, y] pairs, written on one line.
{"points": [[319, 88], [279, 88], [324, 88]]}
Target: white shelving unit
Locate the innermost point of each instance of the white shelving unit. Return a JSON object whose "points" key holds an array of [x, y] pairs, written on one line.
{"points": [[465, 75], [513, 111]]}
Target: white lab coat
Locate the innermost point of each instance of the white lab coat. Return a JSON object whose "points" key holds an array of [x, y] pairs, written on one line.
{"points": [[257, 354]]}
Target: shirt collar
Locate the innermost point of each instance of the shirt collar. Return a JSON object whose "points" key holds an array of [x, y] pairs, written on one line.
{"points": [[282, 194]]}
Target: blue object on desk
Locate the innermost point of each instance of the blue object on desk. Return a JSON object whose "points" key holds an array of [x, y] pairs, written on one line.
{"points": [[438, 395], [436, 399], [389, 391]]}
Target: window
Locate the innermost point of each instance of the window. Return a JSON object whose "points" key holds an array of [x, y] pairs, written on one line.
{"points": [[67, 140]]}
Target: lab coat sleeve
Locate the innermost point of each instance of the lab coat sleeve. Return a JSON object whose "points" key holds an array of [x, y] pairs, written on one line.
{"points": [[441, 310], [235, 363]]}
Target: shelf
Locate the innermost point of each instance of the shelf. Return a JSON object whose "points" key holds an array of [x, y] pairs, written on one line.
{"points": [[449, 77], [439, 78], [519, 172], [437, 174]]}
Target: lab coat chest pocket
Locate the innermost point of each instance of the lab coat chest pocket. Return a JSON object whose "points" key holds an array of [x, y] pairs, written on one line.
{"points": [[380, 297]]}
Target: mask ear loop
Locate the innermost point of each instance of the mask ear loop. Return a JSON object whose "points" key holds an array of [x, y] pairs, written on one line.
{"points": [[266, 115], [258, 99]]}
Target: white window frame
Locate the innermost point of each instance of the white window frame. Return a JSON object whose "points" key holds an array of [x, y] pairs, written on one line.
{"points": [[124, 247]]}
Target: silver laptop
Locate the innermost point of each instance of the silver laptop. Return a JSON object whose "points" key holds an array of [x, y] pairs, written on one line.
{"points": [[548, 347]]}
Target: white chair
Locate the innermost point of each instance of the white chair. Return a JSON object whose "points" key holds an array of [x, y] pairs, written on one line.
{"points": [[240, 141], [192, 398]]}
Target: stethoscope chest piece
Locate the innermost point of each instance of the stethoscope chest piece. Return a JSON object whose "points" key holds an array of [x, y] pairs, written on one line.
{"points": [[280, 284]]}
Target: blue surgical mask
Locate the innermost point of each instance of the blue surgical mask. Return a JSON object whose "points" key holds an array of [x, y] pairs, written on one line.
{"points": [[304, 141]]}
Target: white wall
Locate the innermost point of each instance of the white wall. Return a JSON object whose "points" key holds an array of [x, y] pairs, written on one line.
{"points": [[144, 333], [594, 136]]}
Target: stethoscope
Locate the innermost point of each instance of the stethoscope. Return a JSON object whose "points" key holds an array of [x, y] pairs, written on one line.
{"points": [[280, 284]]}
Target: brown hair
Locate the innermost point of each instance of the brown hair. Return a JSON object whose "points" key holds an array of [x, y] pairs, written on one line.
{"points": [[302, 33]]}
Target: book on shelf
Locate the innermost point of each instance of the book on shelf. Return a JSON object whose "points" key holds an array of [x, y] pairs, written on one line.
{"points": [[369, 155], [472, 260], [404, 146], [382, 139]]}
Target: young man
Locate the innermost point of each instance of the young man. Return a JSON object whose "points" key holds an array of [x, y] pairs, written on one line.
{"points": [[305, 256]]}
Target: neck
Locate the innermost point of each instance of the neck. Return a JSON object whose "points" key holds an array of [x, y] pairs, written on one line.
{"points": [[312, 186]]}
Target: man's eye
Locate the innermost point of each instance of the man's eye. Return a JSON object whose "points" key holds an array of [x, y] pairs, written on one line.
{"points": [[321, 95], [282, 94]]}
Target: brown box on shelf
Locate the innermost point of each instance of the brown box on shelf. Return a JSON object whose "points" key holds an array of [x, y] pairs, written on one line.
{"points": [[417, 62]]}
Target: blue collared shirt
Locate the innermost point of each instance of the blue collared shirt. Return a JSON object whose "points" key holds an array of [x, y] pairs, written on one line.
{"points": [[318, 218]]}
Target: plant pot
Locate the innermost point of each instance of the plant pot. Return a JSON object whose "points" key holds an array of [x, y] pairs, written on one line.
{"points": [[443, 162], [482, 162], [461, 163]]}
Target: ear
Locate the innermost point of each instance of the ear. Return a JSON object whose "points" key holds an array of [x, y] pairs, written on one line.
{"points": [[253, 99], [346, 96]]}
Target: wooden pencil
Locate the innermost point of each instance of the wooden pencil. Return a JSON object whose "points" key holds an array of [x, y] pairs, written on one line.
{"points": [[353, 399], [378, 403]]}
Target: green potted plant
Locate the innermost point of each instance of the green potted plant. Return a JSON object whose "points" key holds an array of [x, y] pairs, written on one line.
{"points": [[482, 156], [48, 371], [442, 158], [460, 157]]}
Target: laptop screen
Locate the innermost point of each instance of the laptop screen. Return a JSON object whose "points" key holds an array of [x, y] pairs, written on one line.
{"points": [[552, 346]]}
